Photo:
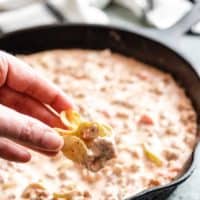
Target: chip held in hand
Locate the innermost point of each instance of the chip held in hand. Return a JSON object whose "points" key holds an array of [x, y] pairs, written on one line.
{"points": [[74, 148], [87, 143]]}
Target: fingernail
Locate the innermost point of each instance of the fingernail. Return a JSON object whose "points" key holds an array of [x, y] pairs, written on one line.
{"points": [[24, 157], [52, 141]]}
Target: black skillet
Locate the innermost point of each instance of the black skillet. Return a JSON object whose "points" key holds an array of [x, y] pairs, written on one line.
{"points": [[139, 43]]}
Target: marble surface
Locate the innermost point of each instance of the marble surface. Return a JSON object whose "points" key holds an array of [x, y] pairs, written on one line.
{"points": [[190, 46]]}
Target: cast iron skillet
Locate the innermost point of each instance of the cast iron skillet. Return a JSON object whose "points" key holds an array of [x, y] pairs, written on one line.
{"points": [[138, 43]]}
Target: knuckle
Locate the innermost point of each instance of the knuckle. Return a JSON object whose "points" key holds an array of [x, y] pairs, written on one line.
{"points": [[26, 132], [32, 133]]}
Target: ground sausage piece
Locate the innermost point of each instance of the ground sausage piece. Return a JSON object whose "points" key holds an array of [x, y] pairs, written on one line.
{"points": [[102, 151]]}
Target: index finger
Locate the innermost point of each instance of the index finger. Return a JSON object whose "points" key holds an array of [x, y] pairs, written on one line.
{"points": [[21, 77]]}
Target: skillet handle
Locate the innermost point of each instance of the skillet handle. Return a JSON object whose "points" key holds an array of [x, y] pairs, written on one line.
{"points": [[184, 24]]}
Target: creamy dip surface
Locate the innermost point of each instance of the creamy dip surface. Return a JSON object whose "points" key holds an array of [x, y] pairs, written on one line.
{"points": [[153, 121]]}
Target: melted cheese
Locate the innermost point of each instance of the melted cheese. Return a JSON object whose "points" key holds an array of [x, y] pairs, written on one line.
{"points": [[119, 91]]}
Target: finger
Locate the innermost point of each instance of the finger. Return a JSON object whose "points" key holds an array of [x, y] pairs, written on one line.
{"points": [[50, 154], [28, 130], [17, 153], [13, 152], [26, 105], [46, 153], [31, 83]]}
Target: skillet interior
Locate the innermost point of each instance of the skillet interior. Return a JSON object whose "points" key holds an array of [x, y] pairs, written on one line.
{"points": [[127, 43], [101, 37]]}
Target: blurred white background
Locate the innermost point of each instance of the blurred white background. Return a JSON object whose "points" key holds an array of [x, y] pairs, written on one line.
{"points": [[157, 13]]}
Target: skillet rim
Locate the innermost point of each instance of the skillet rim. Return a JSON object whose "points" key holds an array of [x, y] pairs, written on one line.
{"points": [[138, 31]]}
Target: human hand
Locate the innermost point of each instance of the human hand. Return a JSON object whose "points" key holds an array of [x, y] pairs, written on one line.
{"points": [[26, 103]]}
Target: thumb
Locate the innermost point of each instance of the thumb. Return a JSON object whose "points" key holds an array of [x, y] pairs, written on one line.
{"points": [[28, 131]]}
